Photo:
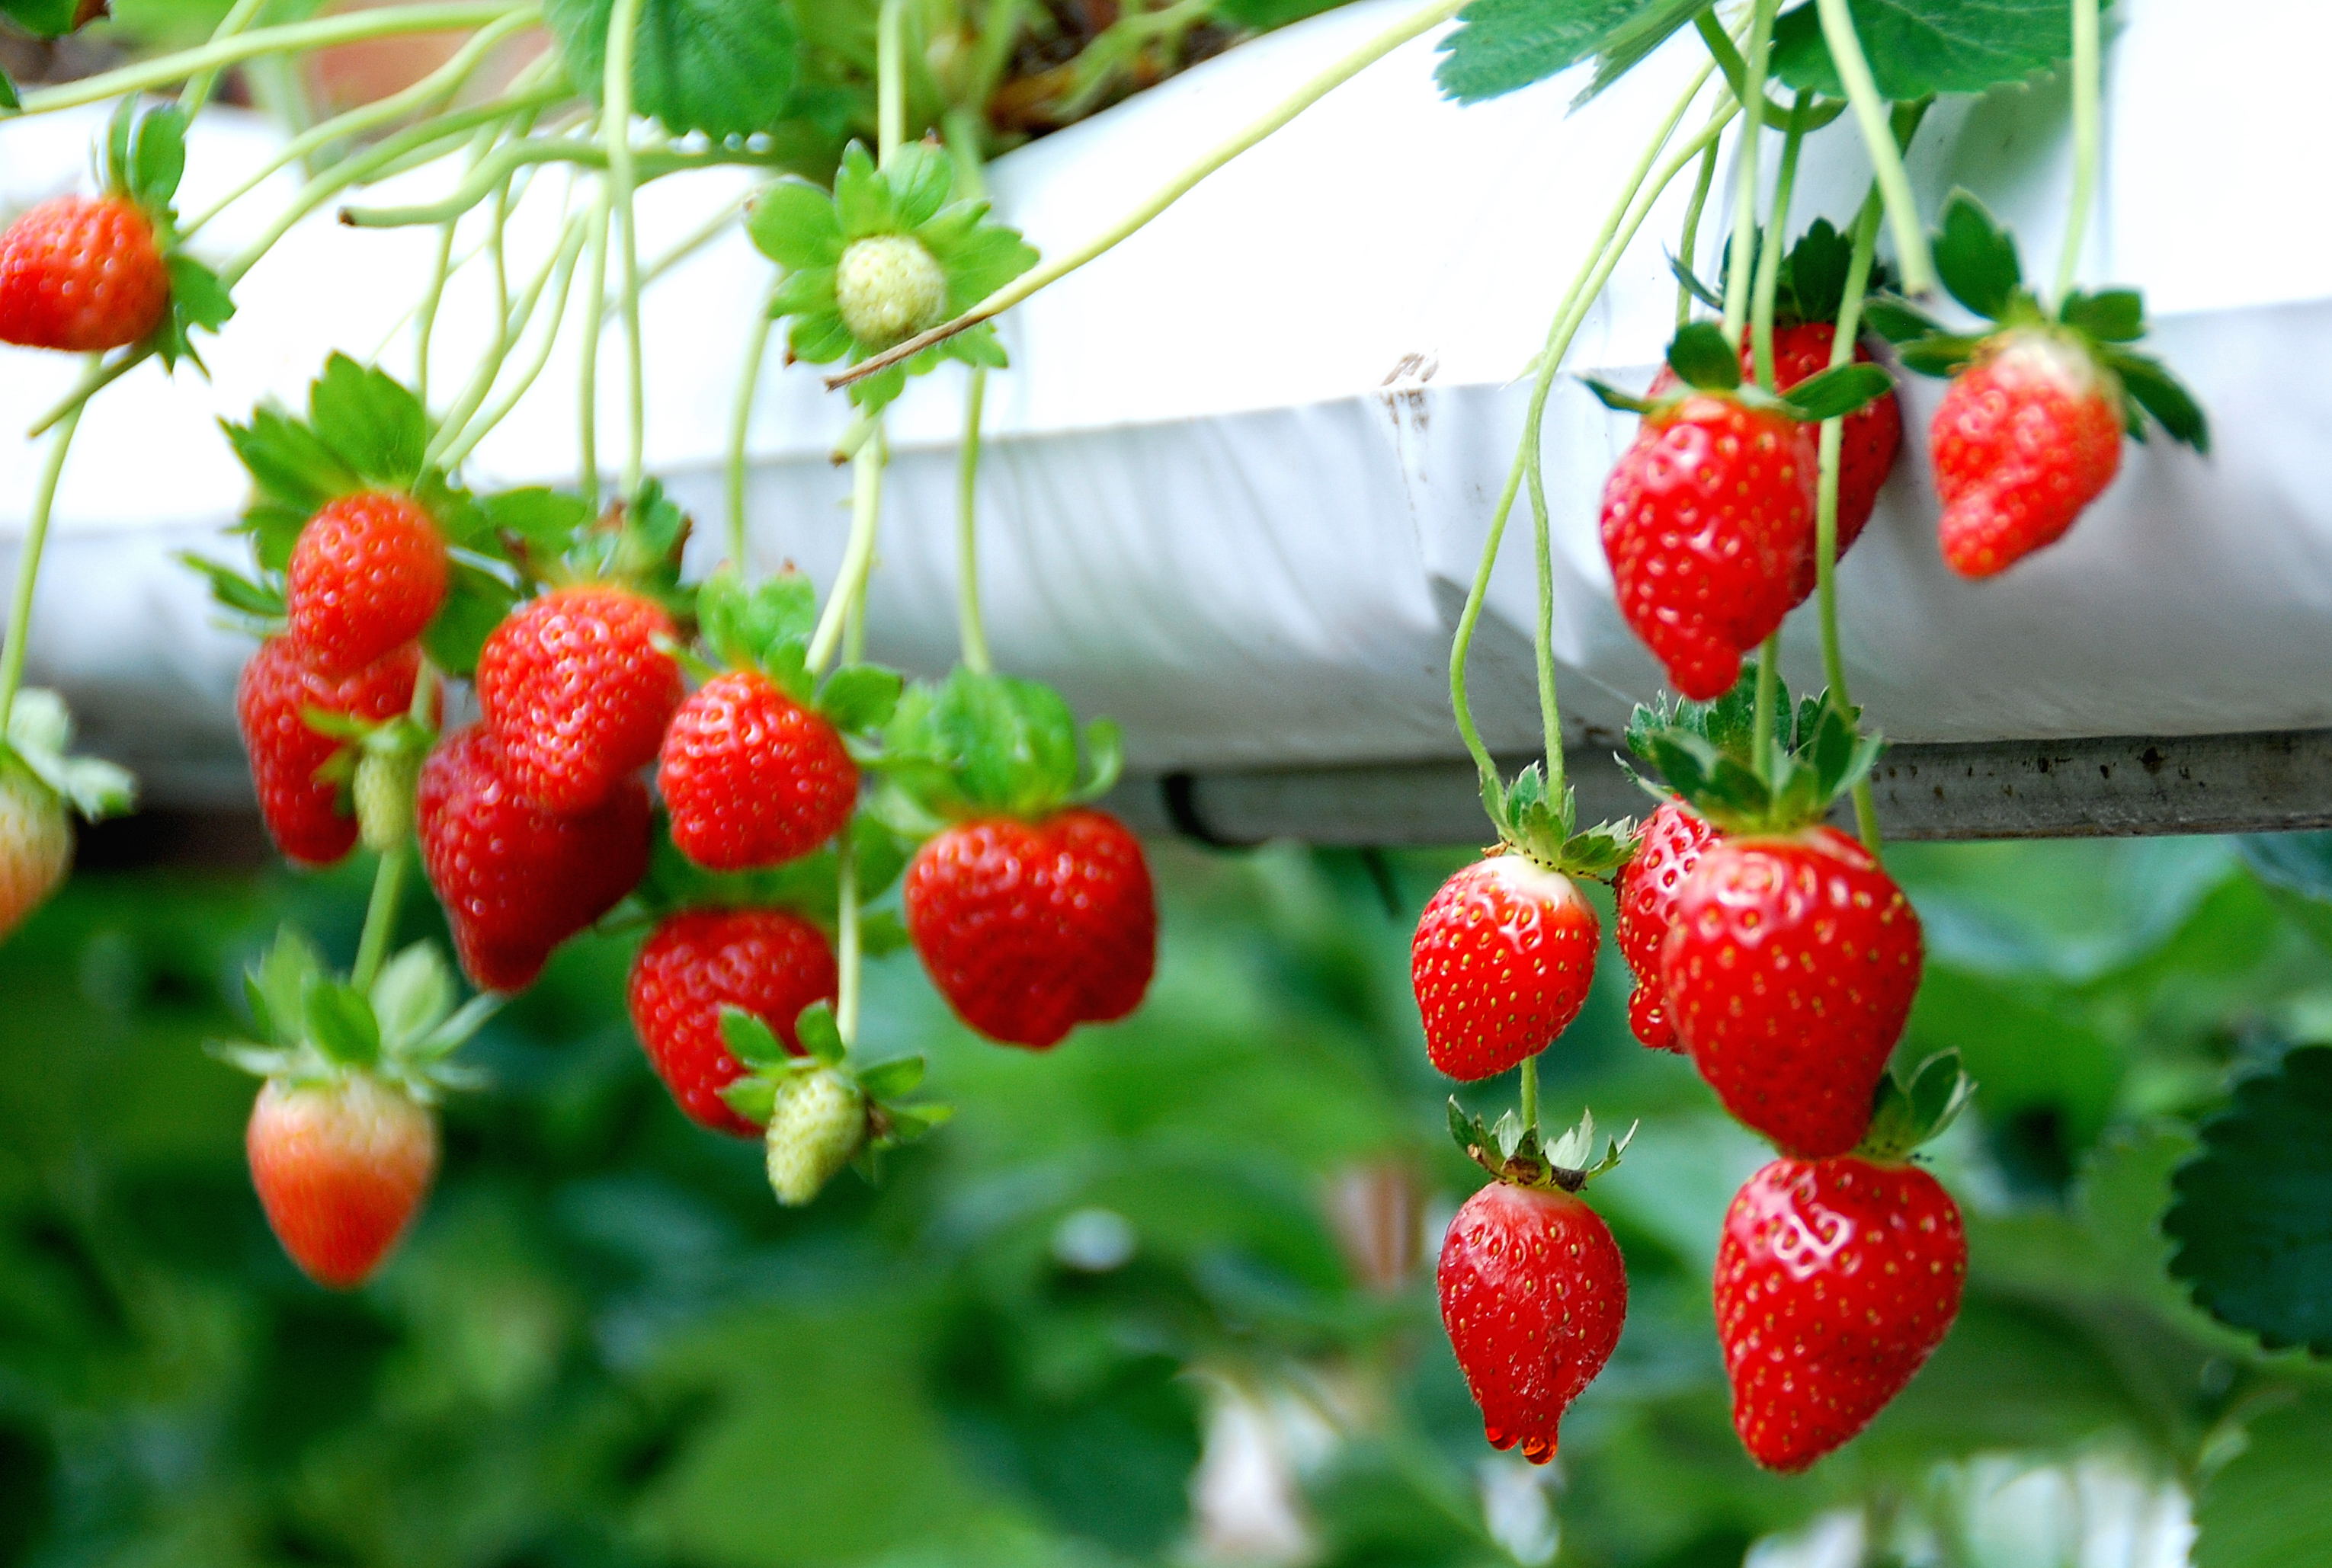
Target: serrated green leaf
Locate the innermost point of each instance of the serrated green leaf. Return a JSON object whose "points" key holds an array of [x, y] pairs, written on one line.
{"points": [[1919, 48], [2110, 316], [2264, 1507], [296, 473], [750, 1040], [723, 67], [374, 425], [1976, 258], [922, 177], [820, 339], [94, 788], [1838, 391], [1702, 359], [340, 1023], [1897, 320], [860, 698], [2249, 1220], [765, 625], [792, 222], [1613, 398], [233, 591], [978, 257], [752, 1098], [1500, 45], [1812, 283], [820, 1036], [412, 994], [547, 520], [862, 197], [1942, 355], [2162, 395], [456, 1028], [889, 1080], [157, 156], [278, 987], [476, 602], [196, 295]]}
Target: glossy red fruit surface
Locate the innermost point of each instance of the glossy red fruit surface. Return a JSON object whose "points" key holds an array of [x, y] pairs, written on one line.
{"points": [[82, 273], [2025, 439], [1501, 964], [752, 778], [340, 1168], [368, 575], [1708, 522], [1645, 891], [1534, 1293], [768, 961], [577, 693], [279, 685], [1836, 1280], [1789, 966], [516, 880], [1031, 929]]}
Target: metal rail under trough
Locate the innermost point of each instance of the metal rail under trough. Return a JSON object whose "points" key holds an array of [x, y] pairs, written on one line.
{"points": [[2111, 787]]}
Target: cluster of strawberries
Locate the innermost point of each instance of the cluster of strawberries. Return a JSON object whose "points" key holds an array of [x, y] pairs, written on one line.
{"points": [[1032, 913]]}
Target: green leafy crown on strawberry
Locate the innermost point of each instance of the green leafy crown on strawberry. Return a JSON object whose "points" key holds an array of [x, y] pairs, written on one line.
{"points": [[1531, 822], [770, 1071], [1519, 1156], [1707, 753], [807, 885], [145, 156], [316, 1027], [1977, 260], [988, 745], [1706, 363], [1908, 1111], [40, 738], [955, 258], [767, 626], [1810, 287]]}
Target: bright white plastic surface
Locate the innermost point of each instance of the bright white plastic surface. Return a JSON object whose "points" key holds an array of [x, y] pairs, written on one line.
{"points": [[1236, 480]]}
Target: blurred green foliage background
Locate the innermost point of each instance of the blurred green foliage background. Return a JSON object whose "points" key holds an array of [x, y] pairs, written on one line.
{"points": [[1162, 1295]]}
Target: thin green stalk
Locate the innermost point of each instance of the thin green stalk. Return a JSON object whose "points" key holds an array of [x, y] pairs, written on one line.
{"points": [[586, 369], [850, 948], [426, 93], [1550, 709], [512, 156], [999, 27], [970, 627], [28, 564], [2087, 70], [424, 321], [616, 124], [1689, 242], [98, 373], [200, 88], [1619, 231], [740, 420], [858, 556], [1742, 256], [1912, 257], [1769, 258], [491, 361], [561, 287], [1336, 74], [1761, 728], [1833, 445], [380, 917], [1529, 1092], [890, 81], [348, 28]]}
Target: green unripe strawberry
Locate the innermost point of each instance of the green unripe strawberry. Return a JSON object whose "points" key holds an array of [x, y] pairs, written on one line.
{"points": [[383, 793], [36, 841], [816, 1125], [888, 288]]}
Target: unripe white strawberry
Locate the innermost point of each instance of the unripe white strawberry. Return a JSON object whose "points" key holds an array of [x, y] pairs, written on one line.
{"points": [[37, 842], [888, 288], [816, 1125], [383, 794]]}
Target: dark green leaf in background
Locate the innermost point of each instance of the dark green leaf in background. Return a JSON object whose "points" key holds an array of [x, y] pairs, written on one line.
{"points": [[1500, 45], [2271, 1505], [723, 67], [1920, 47]]}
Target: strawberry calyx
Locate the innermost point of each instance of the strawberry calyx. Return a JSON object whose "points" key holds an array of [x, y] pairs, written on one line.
{"points": [[145, 156], [980, 744], [889, 252], [807, 885], [315, 1027], [40, 741], [768, 627], [1519, 1156], [1906, 1113], [1708, 365], [1707, 753], [1541, 829], [1811, 284], [822, 1110], [1977, 260]]}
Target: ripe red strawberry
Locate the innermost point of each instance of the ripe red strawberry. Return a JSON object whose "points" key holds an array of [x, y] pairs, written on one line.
{"points": [[1669, 847], [1870, 436], [1501, 964], [82, 273], [1534, 1293], [36, 841], [771, 963], [575, 693], [341, 1167], [1789, 965], [1709, 520], [1835, 1280], [752, 778], [1029, 929], [367, 576], [2025, 439], [279, 685], [516, 880]]}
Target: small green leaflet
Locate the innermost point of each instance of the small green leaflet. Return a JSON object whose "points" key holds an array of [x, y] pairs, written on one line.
{"points": [[1500, 45], [2264, 1507], [724, 67], [1918, 48], [45, 19], [2254, 1240]]}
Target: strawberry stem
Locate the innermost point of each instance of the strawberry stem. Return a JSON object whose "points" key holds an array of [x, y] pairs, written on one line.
{"points": [[858, 556], [1761, 731], [741, 419], [28, 560], [1336, 74], [562, 264], [1530, 1093], [2086, 72], [890, 82], [850, 955], [1742, 256], [616, 127], [1769, 260], [380, 916], [197, 90], [972, 631], [1871, 114], [586, 371], [1689, 242], [1833, 446]]}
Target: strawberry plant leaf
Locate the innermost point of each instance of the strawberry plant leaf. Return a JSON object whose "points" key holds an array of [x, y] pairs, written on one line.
{"points": [[860, 697], [752, 1098], [1104, 758], [372, 424], [881, 933], [889, 1080], [1918, 48], [412, 993], [1690, 282], [43, 18], [751, 1041], [1897, 319], [340, 1023], [198, 298], [2162, 395], [765, 627], [1943, 354], [1838, 391], [157, 156], [9, 98], [724, 67], [1613, 398], [1976, 258], [545, 521], [818, 1035], [792, 222], [277, 986], [477, 601], [1500, 45], [2254, 1243], [2110, 316], [2264, 1507], [1702, 359], [294, 473]]}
